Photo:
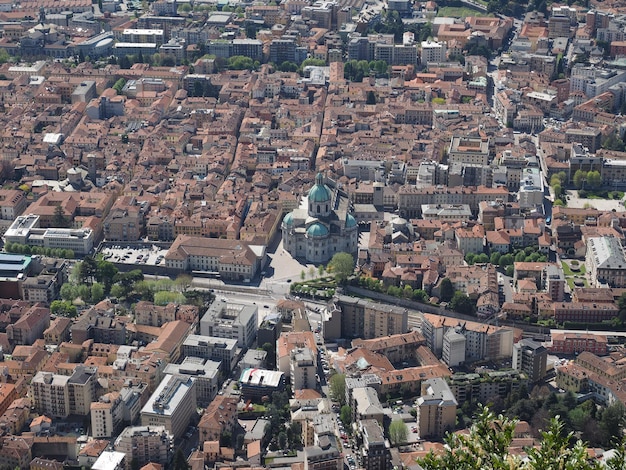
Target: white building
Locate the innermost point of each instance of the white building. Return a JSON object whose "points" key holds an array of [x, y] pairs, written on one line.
{"points": [[223, 350], [531, 191], [453, 348], [231, 320], [171, 405], [206, 373], [303, 365], [25, 230], [433, 52], [606, 261], [110, 461], [106, 415]]}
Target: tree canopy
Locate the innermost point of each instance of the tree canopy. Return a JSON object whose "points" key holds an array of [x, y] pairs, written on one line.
{"points": [[342, 265], [487, 447]]}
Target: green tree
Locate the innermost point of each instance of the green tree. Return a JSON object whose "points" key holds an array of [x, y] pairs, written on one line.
{"points": [[579, 178], [68, 291], [594, 180], [446, 290], [556, 452], [87, 270], [180, 462], [117, 291], [105, 273], [612, 421], [119, 85], [342, 265], [398, 432], [59, 220], [470, 258], [462, 303], [282, 440], [420, 295], [487, 447], [63, 308], [346, 415], [613, 142], [338, 388], [495, 258], [481, 258], [97, 292]]}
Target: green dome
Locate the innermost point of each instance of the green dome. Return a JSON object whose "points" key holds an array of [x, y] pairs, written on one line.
{"points": [[350, 221], [288, 220], [317, 230], [319, 192]]}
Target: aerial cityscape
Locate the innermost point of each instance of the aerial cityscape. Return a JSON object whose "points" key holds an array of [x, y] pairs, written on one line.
{"points": [[312, 234]]}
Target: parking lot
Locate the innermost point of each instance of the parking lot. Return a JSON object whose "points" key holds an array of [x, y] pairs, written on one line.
{"points": [[148, 255]]}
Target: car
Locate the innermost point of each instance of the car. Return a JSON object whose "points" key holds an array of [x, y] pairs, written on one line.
{"points": [[288, 281], [266, 306]]}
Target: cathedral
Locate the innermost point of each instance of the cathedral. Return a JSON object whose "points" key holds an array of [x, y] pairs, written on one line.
{"points": [[325, 227]]}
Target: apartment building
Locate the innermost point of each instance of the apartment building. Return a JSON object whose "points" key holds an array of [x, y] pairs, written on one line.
{"points": [[46, 286], [303, 365], [205, 371], [106, 415], [530, 358], [362, 318], [30, 326], [396, 348], [482, 341], [232, 321], [210, 347], [58, 396], [171, 405], [485, 387], [144, 444], [376, 454], [290, 341], [436, 409], [324, 456], [220, 417]]}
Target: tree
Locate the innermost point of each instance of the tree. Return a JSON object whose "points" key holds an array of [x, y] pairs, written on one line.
{"points": [[594, 180], [338, 388], [487, 447], [613, 142], [68, 291], [183, 282], [87, 270], [462, 303], [63, 308], [282, 440], [119, 85], [179, 462], [579, 178], [420, 295], [117, 291], [97, 292], [346, 415], [398, 432], [446, 290], [105, 273], [342, 265], [371, 97], [495, 258], [612, 421], [59, 219]]}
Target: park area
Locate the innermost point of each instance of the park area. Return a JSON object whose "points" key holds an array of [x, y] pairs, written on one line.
{"points": [[574, 272]]}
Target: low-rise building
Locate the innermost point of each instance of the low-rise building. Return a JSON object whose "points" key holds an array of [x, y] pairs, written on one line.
{"points": [[258, 383]]}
